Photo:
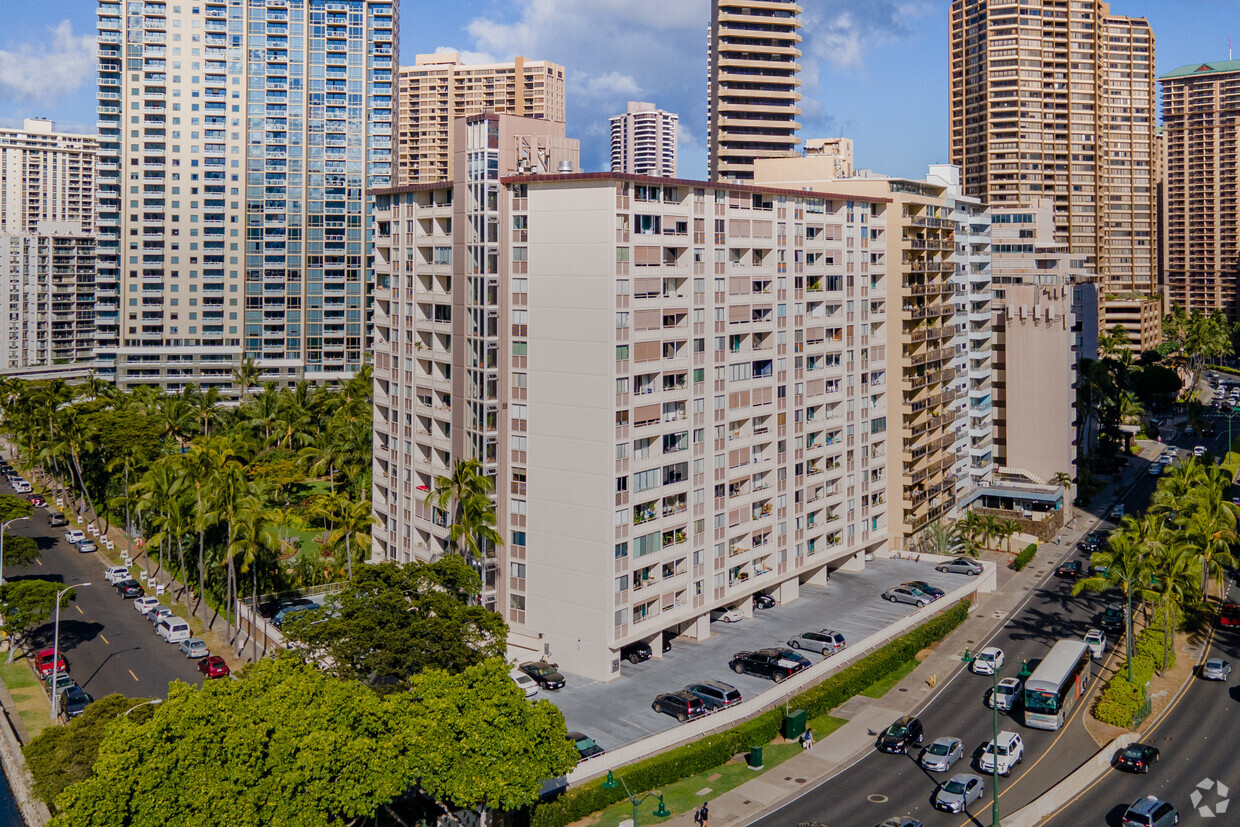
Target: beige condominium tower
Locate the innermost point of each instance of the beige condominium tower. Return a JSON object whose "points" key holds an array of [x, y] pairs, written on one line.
{"points": [[1055, 99], [439, 88], [753, 84], [1201, 102]]}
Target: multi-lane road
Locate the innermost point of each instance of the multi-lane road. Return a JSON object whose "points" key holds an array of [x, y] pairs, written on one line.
{"points": [[109, 646]]}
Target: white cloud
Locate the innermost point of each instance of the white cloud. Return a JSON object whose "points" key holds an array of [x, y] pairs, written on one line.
{"points": [[467, 56], [842, 31], [49, 70]]}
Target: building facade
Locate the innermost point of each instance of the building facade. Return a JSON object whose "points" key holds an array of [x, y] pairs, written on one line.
{"points": [[1055, 99], [753, 84], [643, 141], [46, 175], [705, 345], [439, 88], [1200, 111], [239, 147]]}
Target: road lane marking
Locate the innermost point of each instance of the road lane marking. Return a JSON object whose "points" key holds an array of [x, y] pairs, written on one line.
{"points": [[79, 608], [104, 639], [40, 562], [132, 675]]}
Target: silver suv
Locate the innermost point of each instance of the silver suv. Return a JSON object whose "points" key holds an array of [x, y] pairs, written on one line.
{"points": [[1150, 811], [825, 641]]}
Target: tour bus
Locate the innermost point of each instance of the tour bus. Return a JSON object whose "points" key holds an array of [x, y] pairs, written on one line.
{"points": [[1057, 684]]}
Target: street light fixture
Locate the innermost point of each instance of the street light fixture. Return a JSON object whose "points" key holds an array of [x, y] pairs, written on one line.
{"points": [[152, 702], [613, 781], [968, 659], [56, 644], [3, 528]]}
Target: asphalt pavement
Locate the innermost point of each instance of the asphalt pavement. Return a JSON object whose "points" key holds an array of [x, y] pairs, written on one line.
{"points": [[108, 645]]}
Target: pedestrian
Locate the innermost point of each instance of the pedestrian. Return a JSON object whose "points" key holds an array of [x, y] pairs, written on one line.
{"points": [[703, 815], [807, 740]]}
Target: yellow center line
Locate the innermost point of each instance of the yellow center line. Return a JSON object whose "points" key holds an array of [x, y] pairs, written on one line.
{"points": [[40, 562], [79, 610], [132, 675], [104, 639]]}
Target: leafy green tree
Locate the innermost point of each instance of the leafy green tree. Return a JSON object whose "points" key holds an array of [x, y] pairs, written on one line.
{"points": [[20, 551], [25, 604], [12, 506], [246, 376], [1125, 564], [393, 621], [1173, 584], [61, 756]]}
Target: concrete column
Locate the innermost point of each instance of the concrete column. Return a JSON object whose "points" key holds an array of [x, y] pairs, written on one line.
{"points": [[698, 628], [788, 591], [818, 577], [854, 563]]}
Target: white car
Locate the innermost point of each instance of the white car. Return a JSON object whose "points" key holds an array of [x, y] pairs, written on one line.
{"points": [[144, 605], [1009, 753], [22, 487], [727, 615], [116, 574], [988, 661], [1096, 640], [1166, 459], [1199, 450], [1004, 695], [527, 684], [74, 536]]}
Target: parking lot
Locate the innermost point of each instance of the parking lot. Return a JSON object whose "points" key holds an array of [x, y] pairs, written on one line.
{"points": [[618, 712]]}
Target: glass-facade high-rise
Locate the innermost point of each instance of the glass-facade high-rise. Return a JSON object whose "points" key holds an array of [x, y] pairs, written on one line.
{"points": [[239, 143]]}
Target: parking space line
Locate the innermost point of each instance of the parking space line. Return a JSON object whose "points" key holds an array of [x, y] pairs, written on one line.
{"points": [[132, 675], [104, 639]]}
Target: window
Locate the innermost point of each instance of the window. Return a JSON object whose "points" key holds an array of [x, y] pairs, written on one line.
{"points": [[517, 569], [517, 601], [622, 583], [622, 549], [645, 480], [647, 544], [622, 353], [518, 538]]}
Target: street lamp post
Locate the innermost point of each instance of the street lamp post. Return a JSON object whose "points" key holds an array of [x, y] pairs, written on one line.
{"points": [[56, 644], [659, 812], [152, 702], [968, 659], [4, 528]]}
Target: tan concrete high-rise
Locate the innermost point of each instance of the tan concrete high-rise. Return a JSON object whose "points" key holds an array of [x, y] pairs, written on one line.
{"points": [[439, 88], [1055, 99], [753, 84], [1201, 104], [643, 141], [46, 175]]}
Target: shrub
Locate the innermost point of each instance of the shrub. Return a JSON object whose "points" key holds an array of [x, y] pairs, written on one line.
{"points": [[1025, 557], [715, 750]]}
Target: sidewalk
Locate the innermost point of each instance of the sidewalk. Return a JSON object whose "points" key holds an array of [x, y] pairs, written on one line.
{"points": [[867, 717]]}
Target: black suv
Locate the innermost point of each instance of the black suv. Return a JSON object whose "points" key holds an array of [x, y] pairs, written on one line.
{"points": [[129, 588], [636, 652], [1112, 618], [680, 705], [775, 664], [925, 588], [901, 735], [715, 694]]}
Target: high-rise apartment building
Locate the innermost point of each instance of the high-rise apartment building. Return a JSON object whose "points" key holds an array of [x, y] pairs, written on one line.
{"points": [[46, 175], [1055, 99], [715, 349], [643, 141], [439, 88], [1201, 104], [239, 147], [753, 84]]}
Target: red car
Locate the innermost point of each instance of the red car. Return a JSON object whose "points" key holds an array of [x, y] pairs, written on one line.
{"points": [[43, 663], [1229, 615], [213, 667], [37, 501]]}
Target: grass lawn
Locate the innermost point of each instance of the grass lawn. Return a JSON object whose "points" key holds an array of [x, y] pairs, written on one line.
{"points": [[688, 794], [881, 687], [308, 537], [28, 694]]}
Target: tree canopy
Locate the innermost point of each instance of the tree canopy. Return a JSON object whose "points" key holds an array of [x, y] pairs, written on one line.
{"points": [[19, 550], [393, 621], [13, 506], [26, 604], [286, 744]]}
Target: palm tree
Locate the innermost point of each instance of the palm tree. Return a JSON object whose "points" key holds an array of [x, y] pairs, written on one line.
{"points": [[247, 376], [1124, 565], [79, 438], [264, 411], [227, 485], [353, 521], [1174, 584], [940, 538], [1210, 525], [1010, 527], [159, 486], [251, 537], [467, 484], [990, 529]]}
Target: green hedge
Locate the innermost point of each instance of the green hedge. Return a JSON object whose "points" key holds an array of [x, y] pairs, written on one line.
{"points": [[1025, 557], [1122, 699], [716, 750]]}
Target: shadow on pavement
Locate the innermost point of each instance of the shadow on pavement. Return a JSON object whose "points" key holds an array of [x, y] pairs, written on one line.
{"points": [[72, 632], [86, 683]]}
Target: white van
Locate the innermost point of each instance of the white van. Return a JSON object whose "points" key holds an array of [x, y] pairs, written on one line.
{"points": [[173, 630]]}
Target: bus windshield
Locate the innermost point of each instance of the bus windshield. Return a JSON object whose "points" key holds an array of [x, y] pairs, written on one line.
{"points": [[1040, 701]]}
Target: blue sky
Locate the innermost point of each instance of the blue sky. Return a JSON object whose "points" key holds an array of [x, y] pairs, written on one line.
{"points": [[874, 70]]}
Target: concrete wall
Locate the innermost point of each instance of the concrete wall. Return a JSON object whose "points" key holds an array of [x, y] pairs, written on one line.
{"points": [[1063, 792]]}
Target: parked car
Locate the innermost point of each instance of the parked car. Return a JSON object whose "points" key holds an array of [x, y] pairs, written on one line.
{"points": [[1136, 757], [158, 614], [1004, 696], [544, 674], [47, 661], [901, 821], [194, 648], [173, 629], [586, 748], [1150, 811], [74, 536], [636, 652], [1117, 513], [1229, 614], [961, 565], [86, 546], [74, 701], [907, 594], [680, 705], [1071, 569], [1096, 640], [774, 664], [1216, 669], [115, 574], [56, 519], [213, 666], [958, 792], [901, 735], [1008, 751], [145, 605], [763, 601], [1199, 451], [22, 487], [1155, 469], [288, 611], [37, 501], [940, 755], [988, 661], [58, 682], [715, 694], [129, 588], [727, 615], [1113, 617], [826, 641], [267, 609], [525, 682]]}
